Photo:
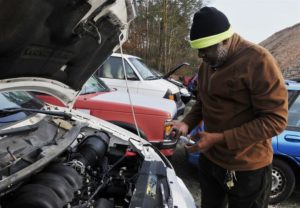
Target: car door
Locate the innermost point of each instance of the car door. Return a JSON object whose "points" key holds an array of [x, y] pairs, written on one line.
{"points": [[112, 73], [289, 140]]}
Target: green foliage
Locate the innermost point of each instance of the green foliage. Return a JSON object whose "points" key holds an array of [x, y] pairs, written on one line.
{"points": [[160, 33]]}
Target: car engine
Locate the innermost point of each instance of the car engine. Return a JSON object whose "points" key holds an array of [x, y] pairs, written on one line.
{"points": [[55, 163]]}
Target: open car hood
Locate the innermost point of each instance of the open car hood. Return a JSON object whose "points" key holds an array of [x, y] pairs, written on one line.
{"points": [[54, 46]]}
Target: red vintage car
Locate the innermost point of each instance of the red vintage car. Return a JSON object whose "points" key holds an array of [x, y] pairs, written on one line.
{"points": [[151, 112]]}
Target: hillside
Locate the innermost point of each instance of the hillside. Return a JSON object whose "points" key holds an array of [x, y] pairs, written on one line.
{"points": [[285, 47]]}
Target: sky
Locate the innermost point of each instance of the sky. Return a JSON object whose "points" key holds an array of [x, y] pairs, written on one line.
{"points": [[256, 20]]}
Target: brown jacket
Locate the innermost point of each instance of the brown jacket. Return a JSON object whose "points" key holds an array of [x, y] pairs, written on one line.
{"points": [[246, 99]]}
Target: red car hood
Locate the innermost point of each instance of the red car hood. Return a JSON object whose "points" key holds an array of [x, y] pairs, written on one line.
{"points": [[138, 100]]}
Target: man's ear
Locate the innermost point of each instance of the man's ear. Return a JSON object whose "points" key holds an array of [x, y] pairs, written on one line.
{"points": [[225, 42]]}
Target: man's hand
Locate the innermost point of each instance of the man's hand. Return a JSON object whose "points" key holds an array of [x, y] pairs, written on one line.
{"points": [[206, 142], [179, 127]]}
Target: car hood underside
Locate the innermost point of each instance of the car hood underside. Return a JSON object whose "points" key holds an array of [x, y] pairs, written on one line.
{"points": [[59, 42]]}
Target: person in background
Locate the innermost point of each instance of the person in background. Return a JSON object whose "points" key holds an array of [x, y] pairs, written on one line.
{"points": [[242, 100], [192, 85]]}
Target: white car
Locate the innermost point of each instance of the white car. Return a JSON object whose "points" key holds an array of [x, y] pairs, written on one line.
{"points": [[55, 157], [140, 79]]}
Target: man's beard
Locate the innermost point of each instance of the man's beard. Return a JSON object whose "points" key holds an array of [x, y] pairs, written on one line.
{"points": [[222, 53]]}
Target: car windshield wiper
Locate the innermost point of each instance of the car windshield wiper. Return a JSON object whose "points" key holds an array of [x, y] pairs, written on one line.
{"points": [[9, 111], [88, 92]]}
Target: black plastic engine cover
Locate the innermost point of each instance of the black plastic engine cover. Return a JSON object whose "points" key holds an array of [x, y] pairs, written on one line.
{"points": [[52, 188], [152, 179]]}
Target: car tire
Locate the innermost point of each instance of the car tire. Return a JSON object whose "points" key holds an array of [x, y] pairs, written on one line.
{"points": [[283, 181]]}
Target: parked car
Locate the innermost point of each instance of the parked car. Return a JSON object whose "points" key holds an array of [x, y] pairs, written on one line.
{"points": [[140, 79], [55, 157], [98, 100], [184, 93], [286, 147]]}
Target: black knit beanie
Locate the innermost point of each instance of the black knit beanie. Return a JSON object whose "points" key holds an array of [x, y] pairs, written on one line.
{"points": [[208, 21]]}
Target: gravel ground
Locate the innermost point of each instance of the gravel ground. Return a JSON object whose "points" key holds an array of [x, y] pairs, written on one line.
{"points": [[189, 175]]}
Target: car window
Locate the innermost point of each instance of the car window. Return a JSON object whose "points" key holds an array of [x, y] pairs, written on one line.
{"points": [[293, 94], [18, 99], [294, 112], [113, 68], [94, 85], [143, 69]]}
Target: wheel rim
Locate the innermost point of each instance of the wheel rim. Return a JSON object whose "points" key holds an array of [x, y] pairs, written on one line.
{"points": [[278, 182]]}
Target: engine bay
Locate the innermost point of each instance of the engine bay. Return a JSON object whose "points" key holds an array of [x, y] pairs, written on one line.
{"points": [[55, 163]]}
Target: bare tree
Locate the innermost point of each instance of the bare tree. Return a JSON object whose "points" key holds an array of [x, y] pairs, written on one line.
{"points": [[160, 33]]}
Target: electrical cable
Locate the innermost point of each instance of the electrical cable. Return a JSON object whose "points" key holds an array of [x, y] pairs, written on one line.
{"points": [[127, 88], [129, 95]]}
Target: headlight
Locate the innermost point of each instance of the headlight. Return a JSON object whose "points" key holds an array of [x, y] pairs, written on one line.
{"points": [[184, 91], [167, 128]]}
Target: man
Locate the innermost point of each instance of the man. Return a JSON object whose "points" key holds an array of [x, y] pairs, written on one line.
{"points": [[242, 100]]}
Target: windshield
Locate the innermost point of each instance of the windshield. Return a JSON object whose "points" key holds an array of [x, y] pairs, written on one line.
{"points": [[94, 85], [157, 73], [9, 100], [294, 108], [144, 71]]}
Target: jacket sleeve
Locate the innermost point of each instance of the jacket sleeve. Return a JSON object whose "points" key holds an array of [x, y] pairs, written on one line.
{"points": [[269, 102], [194, 116]]}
